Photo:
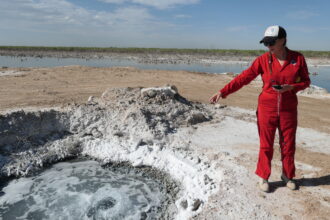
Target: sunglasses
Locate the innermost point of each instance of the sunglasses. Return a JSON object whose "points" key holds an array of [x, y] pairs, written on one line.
{"points": [[269, 43]]}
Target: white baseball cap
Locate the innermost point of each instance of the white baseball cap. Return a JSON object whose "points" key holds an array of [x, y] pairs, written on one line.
{"points": [[273, 33]]}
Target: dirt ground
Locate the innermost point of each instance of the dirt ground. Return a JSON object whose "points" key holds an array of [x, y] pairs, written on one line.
{"points": [[46, 87], [49, 87]]}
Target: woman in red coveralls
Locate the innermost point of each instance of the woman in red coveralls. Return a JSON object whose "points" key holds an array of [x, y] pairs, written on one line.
{"points": [[284, 72]]}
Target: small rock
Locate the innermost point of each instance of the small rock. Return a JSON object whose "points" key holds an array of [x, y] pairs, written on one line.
{"points": [[327, 198], [196, 118], [144, 216], [96, 133], [184, 204], [92, 100], [141, 142], [119, 134], [151, 93], [196, 160], [173, 87], [196, 204], [219, 106], [207, 179]]}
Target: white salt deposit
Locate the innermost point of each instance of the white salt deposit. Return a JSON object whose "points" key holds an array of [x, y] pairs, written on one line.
{"points": [[314, 92], [313, 140], [10, 73], [201, 146], [306, 167]]}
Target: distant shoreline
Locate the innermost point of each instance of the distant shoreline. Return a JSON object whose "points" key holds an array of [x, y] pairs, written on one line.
{"points": [[9, 50], [155, 55]]}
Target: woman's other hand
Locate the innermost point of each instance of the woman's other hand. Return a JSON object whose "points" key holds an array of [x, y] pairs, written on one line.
{"points": [[215, 98]]}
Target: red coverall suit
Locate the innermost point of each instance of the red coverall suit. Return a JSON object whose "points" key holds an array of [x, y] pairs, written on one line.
{"points": [[275, 110]]}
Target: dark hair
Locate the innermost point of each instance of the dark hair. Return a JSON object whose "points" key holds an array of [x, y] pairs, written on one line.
{"points": [[282, 34]]}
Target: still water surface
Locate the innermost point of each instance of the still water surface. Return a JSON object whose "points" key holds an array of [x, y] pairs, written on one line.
{"points": [[322, 79]]}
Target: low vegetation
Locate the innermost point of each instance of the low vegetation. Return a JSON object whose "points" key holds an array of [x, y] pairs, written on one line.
{"points": [[231, 52]]}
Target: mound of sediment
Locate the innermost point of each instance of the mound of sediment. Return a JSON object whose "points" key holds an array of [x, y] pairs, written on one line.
{"points": [[123, 125]]}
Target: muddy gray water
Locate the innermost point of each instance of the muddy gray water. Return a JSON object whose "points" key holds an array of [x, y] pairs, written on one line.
{"points": [[82, 189]]}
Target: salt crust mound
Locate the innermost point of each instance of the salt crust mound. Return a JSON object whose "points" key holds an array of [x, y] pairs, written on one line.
{"points": [[315, 92], [133, 125]]}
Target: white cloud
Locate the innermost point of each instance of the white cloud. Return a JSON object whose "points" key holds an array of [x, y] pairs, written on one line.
{"points": [[301, 15], [162, 4], [59, 22], [159, 4], [31, 13], [182, 16]]}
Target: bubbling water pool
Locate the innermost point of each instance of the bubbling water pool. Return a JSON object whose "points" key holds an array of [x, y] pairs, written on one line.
{"points": [[83, 190]]}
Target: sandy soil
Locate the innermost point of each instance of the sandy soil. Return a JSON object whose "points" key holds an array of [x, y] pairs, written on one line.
{"points": [[45, 87], [48, 87]]}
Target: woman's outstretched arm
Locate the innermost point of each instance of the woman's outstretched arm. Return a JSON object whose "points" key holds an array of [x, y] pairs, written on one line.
{"points": [[239, 81]]}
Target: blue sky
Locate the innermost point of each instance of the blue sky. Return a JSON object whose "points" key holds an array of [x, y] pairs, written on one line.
{"points": [[213, 24]]}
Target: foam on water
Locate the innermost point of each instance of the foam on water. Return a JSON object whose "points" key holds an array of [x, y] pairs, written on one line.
{"points": [[81, 190]]}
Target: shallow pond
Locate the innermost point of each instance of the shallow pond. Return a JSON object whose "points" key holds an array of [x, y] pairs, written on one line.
{"points": [[322, 79]]}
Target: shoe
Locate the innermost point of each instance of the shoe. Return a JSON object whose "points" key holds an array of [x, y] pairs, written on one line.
{"points": [[289, 182], [263, 185]]}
